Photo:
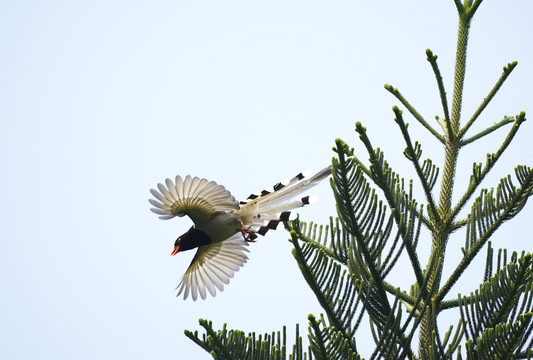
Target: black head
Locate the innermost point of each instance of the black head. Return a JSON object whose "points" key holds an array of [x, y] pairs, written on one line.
{"points": [[190, 240]]}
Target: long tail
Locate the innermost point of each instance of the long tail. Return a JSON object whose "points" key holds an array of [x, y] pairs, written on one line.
{"points": [[267, 209]]}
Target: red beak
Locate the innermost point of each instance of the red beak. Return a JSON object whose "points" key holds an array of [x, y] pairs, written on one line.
{"points": [[175, 251]]}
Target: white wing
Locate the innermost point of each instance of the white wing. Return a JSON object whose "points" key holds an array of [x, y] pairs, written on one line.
{"points": [[195, 197], [212, 267]]}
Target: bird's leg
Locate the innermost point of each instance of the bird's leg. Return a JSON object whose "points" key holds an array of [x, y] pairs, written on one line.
{"points": [[247, 233]]}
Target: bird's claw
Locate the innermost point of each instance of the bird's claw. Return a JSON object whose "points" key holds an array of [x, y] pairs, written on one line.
{"points": [[247, 233]]}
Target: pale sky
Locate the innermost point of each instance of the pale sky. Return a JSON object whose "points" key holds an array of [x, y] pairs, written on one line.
{"points": [[101, 100]]}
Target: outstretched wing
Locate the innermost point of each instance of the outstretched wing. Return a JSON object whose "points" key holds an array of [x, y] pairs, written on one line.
{"points": [[195, 197], [267, 209], [212, 267]]}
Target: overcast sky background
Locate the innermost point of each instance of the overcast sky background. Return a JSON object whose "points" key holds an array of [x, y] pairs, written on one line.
{"points": [[101, 100]]}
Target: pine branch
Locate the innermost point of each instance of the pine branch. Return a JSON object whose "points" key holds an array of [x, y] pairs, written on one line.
{"points": [[454, 303], [478, 174], [422, 297], [506, 120], [335, 242], [419, 214], [370, 231], [318, 340], [338, 293], [298, 352], [455, 341], [327, 343], [501, 342], [496, 301], [234, 344], [459, 75], [506, 72], [194, 337], [413, 112], [365, 259], [488, 214], [391, 337], [357, 210], [427, 178], [391, 185], [213, 344], [472, 7], [442, 92]]}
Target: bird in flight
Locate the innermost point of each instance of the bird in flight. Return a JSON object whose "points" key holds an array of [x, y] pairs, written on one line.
{"points": [[223, 226]]}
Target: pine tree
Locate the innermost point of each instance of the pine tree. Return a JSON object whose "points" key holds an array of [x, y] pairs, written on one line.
{"points": [[379, 221]]}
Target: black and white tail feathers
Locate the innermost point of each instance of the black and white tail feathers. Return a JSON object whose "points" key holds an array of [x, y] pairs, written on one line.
{"points": [[267, 209]]}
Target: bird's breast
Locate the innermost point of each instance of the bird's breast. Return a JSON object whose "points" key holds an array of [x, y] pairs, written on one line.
{"points": [[221, 226]]}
